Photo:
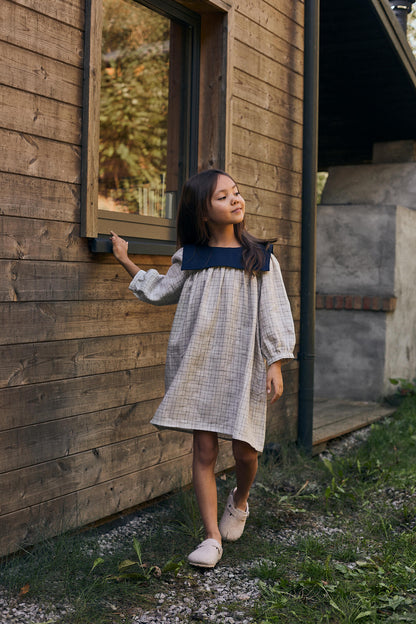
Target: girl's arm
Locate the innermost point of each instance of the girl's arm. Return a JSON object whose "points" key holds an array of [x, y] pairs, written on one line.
{"points": [[275, 379], [120, 248]]}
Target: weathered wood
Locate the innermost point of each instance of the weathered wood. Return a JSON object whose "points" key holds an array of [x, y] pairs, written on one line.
{"points": [[293, 10], [268, 70], [85, 506], [246, 115], [263, 41], [286, 232], [212, 97], [22, 196], [91, 120], [22, 280], [67, 11], [51, 281], [25, 405], [78, 396], [45, 481], [271, 203], [40, 116], [41, 442], [28, 71], [267, 97], [37, 322], [333, 419], [273, 20], [40, 158], [47, 361], [268, 177], [39, 239], [282, 419], [288, 257], [39, 33], [254, 144]]}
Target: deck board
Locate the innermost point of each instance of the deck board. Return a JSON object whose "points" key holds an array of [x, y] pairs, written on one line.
{"points": [[335, 418]]}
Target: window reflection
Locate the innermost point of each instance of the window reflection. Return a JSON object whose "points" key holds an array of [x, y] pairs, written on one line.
{"points": [[139, 119]]}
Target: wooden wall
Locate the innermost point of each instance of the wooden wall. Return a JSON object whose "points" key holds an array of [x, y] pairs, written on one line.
{"points": [[81, 360], [266, 85]]}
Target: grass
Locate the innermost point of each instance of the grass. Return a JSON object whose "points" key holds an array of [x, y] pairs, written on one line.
{"points": [[330, 540]]}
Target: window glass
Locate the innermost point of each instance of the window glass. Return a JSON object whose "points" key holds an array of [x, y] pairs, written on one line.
{"points": [[140, 111]]}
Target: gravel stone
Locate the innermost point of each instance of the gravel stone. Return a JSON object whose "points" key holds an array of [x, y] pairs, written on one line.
{"points": [[213, 594]]}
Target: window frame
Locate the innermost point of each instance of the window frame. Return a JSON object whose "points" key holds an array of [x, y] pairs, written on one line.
{"points": [[149, 234]]}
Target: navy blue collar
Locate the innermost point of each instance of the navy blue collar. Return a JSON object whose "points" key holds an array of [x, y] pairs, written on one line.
{"points": [[197, 257]]}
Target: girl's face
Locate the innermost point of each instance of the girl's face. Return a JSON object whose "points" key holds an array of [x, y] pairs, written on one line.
{"points": [[227, 207]]}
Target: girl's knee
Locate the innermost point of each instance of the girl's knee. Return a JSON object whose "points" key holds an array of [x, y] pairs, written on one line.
{"points": [[205, 447], [244, 453]]}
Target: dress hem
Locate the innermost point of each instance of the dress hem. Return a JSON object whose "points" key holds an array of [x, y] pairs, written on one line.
{"points": [[221, 434]]}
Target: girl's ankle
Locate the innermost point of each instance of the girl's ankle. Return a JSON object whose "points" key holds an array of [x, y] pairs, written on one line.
{"points": [[216, 535]]}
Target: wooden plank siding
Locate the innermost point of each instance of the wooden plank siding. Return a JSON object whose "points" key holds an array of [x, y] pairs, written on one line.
{"points": [[81, 360]]}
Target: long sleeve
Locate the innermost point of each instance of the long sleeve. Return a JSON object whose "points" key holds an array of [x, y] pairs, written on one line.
{"points": [[152, 287], [277, 333]]}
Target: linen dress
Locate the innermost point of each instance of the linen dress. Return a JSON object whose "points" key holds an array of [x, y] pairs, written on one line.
{"points": [[227, 325]]}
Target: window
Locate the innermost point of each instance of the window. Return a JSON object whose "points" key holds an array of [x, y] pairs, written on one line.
{"points": [[144, 110]]}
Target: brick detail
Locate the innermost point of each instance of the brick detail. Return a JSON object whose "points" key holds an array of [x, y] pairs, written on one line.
{"points": [[355, 302]]}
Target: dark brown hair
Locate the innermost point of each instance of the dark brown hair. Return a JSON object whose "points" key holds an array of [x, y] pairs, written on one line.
{"points": [[192, 224]]}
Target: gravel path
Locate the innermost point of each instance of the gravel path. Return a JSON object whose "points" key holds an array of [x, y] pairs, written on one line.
{"points": [[214, 593]]}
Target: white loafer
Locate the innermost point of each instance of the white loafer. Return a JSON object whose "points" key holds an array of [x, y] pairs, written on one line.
{"points": [[233, 520], [207, 554]]}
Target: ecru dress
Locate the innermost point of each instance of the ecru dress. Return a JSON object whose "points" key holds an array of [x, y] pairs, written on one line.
{"points": [[227, 324]]}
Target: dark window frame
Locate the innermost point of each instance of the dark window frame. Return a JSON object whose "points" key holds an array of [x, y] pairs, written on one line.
{"points": [[205, 145]]}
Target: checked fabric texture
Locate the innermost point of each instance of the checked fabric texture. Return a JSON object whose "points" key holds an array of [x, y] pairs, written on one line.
{"points": [[227, 324]]}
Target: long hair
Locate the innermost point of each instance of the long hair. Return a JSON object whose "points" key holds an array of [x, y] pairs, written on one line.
{"points": [[192, 221]]}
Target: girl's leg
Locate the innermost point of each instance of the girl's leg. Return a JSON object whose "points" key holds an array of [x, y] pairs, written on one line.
{"points": [[246, 464], [204, 459]]}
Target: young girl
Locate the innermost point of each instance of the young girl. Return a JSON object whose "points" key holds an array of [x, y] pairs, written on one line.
{"points": [[232, 315]]}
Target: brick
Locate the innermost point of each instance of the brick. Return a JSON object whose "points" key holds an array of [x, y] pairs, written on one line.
{"points": [[376, 304], [348, 302], [357, 302], [389, 304], [320, 302], [329, 302], [367, 301], [339, 302]]}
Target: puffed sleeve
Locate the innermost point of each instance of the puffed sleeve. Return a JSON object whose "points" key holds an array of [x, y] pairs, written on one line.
{"points": [[277, 333], [152, 287]]}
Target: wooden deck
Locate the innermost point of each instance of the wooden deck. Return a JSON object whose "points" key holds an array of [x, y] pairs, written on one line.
{"points": [[335, 418]]}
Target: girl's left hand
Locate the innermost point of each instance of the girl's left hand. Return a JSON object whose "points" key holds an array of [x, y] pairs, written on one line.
{"points": [[275, 381]]}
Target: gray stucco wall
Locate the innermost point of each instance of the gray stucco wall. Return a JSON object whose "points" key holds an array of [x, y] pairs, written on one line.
{"points": [[350, 351], [366, 245], [401, 326], [356, 249]]}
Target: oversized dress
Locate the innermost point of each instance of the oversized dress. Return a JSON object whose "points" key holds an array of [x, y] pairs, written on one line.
{"points": [[227, 325]]}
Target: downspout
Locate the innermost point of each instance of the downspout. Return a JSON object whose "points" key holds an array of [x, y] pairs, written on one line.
{"points": [[308, 263]]}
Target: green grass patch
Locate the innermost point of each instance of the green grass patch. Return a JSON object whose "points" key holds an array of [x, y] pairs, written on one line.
{"points": [[330, 539]]}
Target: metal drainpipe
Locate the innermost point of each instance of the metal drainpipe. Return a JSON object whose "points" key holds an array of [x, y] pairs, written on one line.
{"points": [[308, 263]]}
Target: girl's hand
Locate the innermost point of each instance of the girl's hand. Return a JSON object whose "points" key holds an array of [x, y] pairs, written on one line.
{"points": [[120, 247], [275, 381]]}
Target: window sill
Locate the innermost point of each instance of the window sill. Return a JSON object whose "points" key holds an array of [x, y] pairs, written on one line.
{"points": [[137, 246]]}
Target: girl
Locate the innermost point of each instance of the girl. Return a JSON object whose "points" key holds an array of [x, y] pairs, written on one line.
{"points": [[232, 315]]}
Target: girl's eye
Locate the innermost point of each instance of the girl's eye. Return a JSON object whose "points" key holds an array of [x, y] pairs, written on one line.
{"points": [[221, 197]]}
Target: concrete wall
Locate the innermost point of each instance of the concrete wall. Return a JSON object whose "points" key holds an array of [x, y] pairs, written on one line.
{"points": [[355, 250], [401, 326], [350, 348], [366, 243]]}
